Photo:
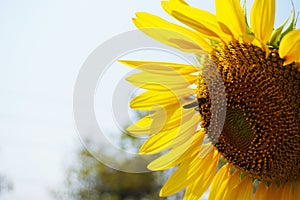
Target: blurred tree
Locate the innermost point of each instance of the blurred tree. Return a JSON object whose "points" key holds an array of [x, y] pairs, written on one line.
{"points": [[91, 180], [5, 184]]}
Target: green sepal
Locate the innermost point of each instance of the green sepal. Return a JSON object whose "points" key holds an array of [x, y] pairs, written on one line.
{"points": [[292, 25], [242, 175], [248, 29], [276, 34]]}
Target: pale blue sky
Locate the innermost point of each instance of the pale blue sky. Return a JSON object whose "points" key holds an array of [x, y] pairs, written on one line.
{"points": [[43, 45]]}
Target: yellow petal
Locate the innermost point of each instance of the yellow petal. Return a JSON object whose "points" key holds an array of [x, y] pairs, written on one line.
{"points": [[155, 122], [189, 171], [171, 156], [158, 82], [297, 63], [178, 154], [229, 185], [244, 189], [150, 100], [261, 192], [171, 34], [205, 149], [172, 185], [296, 194], [164, 68], [200, 20], [221, 176], [170, 138], [262, 19], [163, 118], [289, 47], [141, 127], [205, 176], [171, 117], [256, 42], [168, 118], [272, 192], [287, 191], [231, 14]]}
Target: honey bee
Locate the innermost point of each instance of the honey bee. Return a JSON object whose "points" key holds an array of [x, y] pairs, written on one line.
{"points": [[196, 104]]}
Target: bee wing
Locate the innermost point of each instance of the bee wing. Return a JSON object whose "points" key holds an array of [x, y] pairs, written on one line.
{"points": [[191, 105]]}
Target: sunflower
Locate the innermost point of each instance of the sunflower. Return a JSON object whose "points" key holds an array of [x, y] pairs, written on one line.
{"points": [[232, 122]]}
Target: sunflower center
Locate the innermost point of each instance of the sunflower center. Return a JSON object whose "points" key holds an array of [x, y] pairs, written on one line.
{"points": [[261, 134], [237, 129]]}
